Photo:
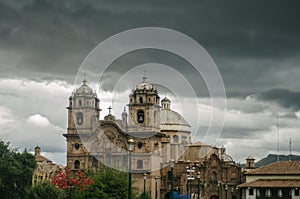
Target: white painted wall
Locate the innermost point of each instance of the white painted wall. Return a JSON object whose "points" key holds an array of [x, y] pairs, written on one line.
{"points": [[252, 196]]}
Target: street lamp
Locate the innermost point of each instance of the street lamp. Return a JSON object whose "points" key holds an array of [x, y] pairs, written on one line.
{"points": [[145, 185], [156, 178], [172, 167], [130, 149], [219, 184], [226, 188], [198, 177], [190, 170]]}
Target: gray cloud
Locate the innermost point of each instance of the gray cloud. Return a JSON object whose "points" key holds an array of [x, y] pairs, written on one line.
{"points": [[255, 45], [51, 38], [284, 97]]}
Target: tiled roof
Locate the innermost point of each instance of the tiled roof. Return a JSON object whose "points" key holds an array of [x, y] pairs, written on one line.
{"points": [[40, 158], [278, 168], [268, 183]]}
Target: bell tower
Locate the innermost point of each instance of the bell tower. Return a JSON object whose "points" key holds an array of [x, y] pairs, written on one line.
{"points": [[83, 116], [144, 108]]}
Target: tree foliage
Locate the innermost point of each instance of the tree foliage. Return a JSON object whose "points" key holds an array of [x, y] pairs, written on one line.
{"points": [[109, 184], [45, 190], [15, 171]]}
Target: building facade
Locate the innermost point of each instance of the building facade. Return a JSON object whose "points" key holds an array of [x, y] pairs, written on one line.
{"points": [[45, 168], [276, 180], [160, 134], [219, 176]]}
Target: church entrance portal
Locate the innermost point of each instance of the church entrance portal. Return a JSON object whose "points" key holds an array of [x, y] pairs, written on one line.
{"points": [[214, 197]]}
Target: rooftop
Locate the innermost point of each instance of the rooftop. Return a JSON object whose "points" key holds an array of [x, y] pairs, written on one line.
{"points": [[278, 168], [268, 183]]}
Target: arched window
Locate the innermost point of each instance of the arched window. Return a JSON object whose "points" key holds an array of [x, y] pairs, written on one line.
{"points": [[80, 103], [141, 100], [76, 146], [76, 164], [140, 145], [139, 164], [140, 116], [107, 159], [79, 118], [175, 138]]}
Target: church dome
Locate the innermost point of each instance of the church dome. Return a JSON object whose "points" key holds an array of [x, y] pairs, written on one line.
{"points": [[84, 89], [227, 158], [171, 120]]}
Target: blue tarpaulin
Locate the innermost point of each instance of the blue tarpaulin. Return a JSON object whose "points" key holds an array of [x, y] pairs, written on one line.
{"points": [[176, 195]]}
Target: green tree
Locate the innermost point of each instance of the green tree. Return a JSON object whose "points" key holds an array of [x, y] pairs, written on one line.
{"points": [[15, 171], [45, 190], [108, 184]]}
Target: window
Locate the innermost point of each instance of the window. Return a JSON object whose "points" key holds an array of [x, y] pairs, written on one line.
{"points": [[139, 145], [297, 192], [107, 159], [76, 164], [268, 193], [175, 138], [140, 116], [258, 193], [250, 192], [76, 146], [139, 164], [124, 160], [184, 139], [141, 100], [79, 118], [80, 103]]}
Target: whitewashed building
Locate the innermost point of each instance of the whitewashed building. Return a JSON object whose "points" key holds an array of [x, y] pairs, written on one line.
{"points": [[276, 180]]}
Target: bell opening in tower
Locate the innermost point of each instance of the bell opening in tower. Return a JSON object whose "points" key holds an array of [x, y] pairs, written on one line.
{"points": [[140, 116]]}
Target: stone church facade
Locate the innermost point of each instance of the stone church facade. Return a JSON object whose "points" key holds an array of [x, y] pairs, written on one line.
{"points": [[159, 133]]}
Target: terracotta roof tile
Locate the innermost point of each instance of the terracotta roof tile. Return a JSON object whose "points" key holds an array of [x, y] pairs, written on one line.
{"points": [[278, 168], [268, 183], [40, 158]]}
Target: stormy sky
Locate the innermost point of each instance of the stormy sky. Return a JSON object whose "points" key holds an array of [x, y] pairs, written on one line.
{"points": [[255, 45]]}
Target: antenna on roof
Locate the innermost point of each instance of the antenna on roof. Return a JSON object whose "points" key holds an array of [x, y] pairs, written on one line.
{"points": [[290, 156], [277, 138]]}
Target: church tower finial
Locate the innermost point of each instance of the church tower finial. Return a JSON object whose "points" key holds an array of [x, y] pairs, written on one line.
{"points": [[84, 79], [145, 78], [37, 150]]}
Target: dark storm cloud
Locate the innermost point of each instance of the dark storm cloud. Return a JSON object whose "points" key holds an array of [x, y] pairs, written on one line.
{"points": [[139, 57], [241, 133], [284, 97], [48, 39]]}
